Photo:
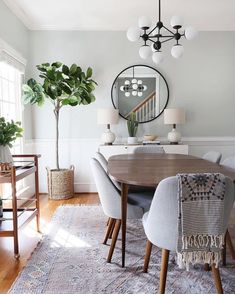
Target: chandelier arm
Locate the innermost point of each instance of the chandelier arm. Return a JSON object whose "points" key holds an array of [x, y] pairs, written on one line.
{"points": [[168, 30], [171, 38], [152, 30]]}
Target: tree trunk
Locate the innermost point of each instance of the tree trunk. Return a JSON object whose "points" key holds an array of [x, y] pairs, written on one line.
{"points": [[56, 112]]}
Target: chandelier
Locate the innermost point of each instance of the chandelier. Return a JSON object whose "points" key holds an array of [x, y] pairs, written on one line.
{"points": [[134, 87], [153, 37]]}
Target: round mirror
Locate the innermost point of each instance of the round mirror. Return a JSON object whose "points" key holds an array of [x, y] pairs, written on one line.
{"points": [[140, 89]]}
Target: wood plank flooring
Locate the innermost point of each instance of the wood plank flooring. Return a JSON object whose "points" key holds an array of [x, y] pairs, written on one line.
{"points": [[28, 238]]}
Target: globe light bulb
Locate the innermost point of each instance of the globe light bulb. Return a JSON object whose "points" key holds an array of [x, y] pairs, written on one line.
{"points": [[158, 57], [127, 82], [134, 81], [177, 51], [140, 94], [122, 88], [139, 82], [145, 51], [127, 94], [133, 34], [177, 22], [145, 88], [134, 93], [135, 86], [190, 33], [144, 22]]}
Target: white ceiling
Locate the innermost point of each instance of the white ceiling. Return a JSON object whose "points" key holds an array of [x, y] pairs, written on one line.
{"points": [[214, 15]]}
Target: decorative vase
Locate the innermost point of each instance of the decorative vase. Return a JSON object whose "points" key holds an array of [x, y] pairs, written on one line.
{"points": [[174, 136], [60, 183], [132, 140], [5, 154]]}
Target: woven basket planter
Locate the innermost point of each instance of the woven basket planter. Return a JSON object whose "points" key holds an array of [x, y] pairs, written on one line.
{"points": [[60, 183]]}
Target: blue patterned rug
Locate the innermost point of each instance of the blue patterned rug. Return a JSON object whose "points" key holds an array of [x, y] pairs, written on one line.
{"points": [[71, 259]]}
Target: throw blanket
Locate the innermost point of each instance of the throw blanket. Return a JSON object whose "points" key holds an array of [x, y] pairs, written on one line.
{"points": [[200, 221]]}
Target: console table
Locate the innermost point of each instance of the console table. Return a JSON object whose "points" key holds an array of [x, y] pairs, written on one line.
{"points": [[115, 149], [17, 216]]}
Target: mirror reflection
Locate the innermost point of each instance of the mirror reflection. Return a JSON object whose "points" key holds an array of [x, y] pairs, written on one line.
{"points": [[140, 89]]}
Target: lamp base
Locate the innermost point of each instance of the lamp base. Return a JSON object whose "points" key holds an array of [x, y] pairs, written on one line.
{"points": [[174, 137], [108, 137]]}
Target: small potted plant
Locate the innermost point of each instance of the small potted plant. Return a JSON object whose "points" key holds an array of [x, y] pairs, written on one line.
{"points": [[9, 132], [132, 126], [62, 86]]}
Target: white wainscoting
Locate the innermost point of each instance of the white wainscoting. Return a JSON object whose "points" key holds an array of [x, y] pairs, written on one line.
{"points": [[79, 151]]}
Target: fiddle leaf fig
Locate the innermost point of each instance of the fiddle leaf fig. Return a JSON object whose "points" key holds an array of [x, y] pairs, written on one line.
{"points": [[63, 86], [9, 131]]}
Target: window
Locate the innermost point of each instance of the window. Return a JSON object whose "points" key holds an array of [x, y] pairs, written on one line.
{"points": [[12, 67]]}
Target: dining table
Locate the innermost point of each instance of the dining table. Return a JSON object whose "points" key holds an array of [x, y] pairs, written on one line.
{"points": [[147, 170]]}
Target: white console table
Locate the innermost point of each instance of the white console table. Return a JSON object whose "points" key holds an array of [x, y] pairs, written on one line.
{"points": [[109, 150]]}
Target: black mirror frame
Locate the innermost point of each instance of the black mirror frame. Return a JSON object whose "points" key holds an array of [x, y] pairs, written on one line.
{"points": [[135, 65]]}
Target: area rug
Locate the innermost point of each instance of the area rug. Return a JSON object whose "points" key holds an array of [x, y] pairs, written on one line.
{"points": [[72, 259]]}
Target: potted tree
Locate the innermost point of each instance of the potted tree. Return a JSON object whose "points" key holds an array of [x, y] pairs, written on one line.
{"points": [[132, 126], [62, 86]]}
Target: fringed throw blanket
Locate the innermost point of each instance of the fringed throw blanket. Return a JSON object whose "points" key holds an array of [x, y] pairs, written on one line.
{"points": [[200, 220]]}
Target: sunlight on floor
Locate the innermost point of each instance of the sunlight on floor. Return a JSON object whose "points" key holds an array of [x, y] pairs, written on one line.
{"points": [[65, 239]]}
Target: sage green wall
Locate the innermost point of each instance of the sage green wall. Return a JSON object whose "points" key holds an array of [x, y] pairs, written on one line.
{"points": [[202, 81], [13, 31]]}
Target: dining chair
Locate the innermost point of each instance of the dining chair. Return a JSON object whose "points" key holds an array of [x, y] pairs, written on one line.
{"points": [[213, 156], [160, 225], [149, 149], [138, 203], [230, 163]]}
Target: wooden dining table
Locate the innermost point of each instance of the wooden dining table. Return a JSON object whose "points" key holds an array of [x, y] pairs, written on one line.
{"points": [[147, 170]]}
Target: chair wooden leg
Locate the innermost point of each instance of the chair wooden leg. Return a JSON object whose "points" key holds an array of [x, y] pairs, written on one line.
{"points": [[224, 262], [109, 228], [112, 228], [163, 273], [230, 244], [108, 221], [114, 239], [147, 256], [217, 279]]}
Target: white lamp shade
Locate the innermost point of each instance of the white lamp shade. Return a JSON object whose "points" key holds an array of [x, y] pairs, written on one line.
{"points": [[190, 33], [177, 51], [134, 81], [135, 87], [107, 116], [144, 22], [140, 94], [127, 94], [133, 34], [174, 116], [134, 93], [140, 82], [177, 21], [158, 57], [145, 51], [127, 82]]}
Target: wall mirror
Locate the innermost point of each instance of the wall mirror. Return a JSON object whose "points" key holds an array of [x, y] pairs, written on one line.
{"points": [[140, 89]]}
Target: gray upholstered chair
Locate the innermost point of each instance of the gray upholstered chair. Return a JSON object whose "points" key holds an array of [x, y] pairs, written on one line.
{"points": [[213, 156], [104, 163], [138, 203], [160, 224], [229, 162], [149, 149]]}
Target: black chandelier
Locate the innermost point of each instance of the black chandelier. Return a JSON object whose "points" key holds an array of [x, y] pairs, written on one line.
{"points": [[133, 87], [153, 37]]}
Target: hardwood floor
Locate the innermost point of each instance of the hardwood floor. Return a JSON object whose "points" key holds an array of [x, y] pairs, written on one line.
{"points": [[29, 238]]}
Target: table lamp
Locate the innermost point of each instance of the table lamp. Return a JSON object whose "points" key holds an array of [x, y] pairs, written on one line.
{"points": [[174, 116], [107, 117]]}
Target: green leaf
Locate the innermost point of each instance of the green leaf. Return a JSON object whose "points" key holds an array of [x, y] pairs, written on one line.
{"points": [[65, 70], [88, 73], [73, 69], [57, 64]]}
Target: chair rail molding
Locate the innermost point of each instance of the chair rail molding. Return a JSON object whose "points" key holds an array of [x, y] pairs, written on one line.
{"points": [[78, 151]]}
